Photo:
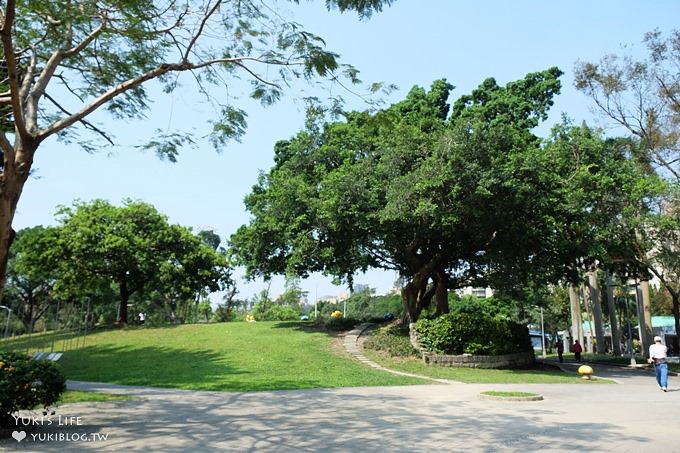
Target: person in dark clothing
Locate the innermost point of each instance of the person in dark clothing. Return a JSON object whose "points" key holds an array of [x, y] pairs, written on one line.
{"points": [[560, 350]]}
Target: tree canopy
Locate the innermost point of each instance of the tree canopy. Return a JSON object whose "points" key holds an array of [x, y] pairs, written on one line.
{"points": [[134, 249], [30, 276], [62, 61], [447, 196]]}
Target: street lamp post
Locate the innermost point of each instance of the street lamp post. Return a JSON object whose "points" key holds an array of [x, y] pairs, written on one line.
{"points": [[9, 315]]}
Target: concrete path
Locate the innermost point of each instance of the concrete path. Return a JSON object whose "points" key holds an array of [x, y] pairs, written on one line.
{"points": [[631, 416]]}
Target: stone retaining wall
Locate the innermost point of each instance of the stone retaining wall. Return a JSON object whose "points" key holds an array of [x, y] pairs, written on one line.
{"points": [[516, 360]]}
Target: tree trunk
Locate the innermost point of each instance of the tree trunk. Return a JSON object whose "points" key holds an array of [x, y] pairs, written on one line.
{"points": [[7, 209], [645, 316], [416, 296], [14, 173], [575, 308], [594, 289], [613, 322], [442, 293], [588, 346], [124, 298]]}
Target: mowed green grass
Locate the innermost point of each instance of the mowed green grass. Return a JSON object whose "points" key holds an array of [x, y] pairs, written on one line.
{"points": [[547, 375], [225, 356]]}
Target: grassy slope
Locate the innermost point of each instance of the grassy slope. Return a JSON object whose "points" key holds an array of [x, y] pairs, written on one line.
{"points": [[229, 356]]}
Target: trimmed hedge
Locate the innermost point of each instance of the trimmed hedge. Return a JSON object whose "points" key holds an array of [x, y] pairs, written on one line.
{"points": [[26, 384], [464, 333]]}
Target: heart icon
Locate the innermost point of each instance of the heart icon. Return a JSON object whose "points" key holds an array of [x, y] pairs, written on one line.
{"points": [[19, 435]]}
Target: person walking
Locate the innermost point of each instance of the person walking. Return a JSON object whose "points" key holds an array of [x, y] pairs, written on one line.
{"points": [[560, 349], [577, 350], [657, 356]]}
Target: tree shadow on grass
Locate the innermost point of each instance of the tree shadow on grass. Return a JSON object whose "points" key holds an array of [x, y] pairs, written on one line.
{"points": [[169, 367]]}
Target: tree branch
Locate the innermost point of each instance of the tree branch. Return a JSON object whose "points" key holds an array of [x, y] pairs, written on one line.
{"points": [[12, 73], [192, 42], [84, 43], [137, 81], [86, 123]]}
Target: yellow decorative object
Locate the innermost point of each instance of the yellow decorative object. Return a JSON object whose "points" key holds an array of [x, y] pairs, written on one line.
{"points": [[336, 314], [250, 318], [585, 371]]}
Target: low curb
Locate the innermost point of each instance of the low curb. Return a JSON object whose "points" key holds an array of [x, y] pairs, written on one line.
{"points": [[536, 397]]}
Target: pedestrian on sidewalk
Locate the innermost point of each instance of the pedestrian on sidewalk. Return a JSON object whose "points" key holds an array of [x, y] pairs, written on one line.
{"points": [[577, 350], [560, 349], [657, 356]]}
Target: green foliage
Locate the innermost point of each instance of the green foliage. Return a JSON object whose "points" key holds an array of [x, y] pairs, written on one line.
{"points": [[393, 341], [205, 310], [30, 276], [285, 308], [223, 313], [118, 47], [341, 324], [425, 189], [368, 307], [489, 307], [26, 384], [275, 313], [134, 249], [463, 333]]}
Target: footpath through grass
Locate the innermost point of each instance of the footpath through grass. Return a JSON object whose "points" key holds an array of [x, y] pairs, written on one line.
{"points": [[225, 356]]}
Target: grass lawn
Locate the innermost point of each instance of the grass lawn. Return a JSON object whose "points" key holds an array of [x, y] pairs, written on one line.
{"points": [[545, 375], [241, 356], [234, 356], [77, 396]]}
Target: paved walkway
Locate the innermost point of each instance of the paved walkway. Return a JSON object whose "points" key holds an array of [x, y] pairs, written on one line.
{"points": [[630, 416]]}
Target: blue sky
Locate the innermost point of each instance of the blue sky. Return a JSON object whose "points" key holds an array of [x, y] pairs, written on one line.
{"points": [[411, 43]]}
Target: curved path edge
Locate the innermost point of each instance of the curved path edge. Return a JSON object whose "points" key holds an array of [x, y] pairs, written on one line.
{"points": [[351, 343]]}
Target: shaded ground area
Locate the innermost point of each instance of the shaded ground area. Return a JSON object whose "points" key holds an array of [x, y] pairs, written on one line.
{"points": [[631, 416], [623, 418]]}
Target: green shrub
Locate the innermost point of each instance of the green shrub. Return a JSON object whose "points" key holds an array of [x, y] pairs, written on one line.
{"points": [[26, 384], [276, 313], [393, 341], [464, 333], [339, 324]]}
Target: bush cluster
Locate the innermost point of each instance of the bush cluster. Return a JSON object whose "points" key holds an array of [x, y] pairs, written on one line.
{"points": [[340, 324], [391, 340], [26, 384], [465, 333]]}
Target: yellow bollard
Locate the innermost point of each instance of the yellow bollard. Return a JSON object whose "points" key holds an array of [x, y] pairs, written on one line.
{"points": [[585, 371]]}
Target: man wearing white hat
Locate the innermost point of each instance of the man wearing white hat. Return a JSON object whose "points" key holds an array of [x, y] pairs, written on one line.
{"points": [[657, 356]]}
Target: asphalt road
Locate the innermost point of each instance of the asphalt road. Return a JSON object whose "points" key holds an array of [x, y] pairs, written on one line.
{"points": [[632, 415]]}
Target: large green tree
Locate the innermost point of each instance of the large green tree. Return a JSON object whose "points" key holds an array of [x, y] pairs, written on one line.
{"points": [[446, 196], [30, 276], [66, 60], [135, 249]]}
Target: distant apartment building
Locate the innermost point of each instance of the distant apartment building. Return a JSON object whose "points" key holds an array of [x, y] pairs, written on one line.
{"points": [[482, 293]]}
